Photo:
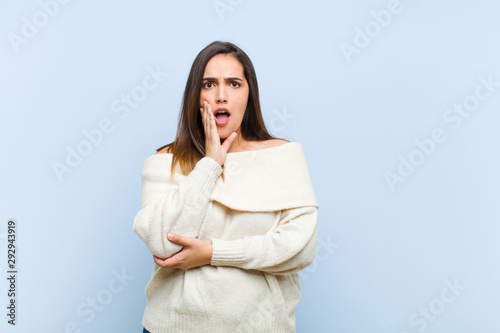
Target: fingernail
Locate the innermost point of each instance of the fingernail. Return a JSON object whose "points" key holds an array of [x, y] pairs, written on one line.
{"points": [[170, 236]]}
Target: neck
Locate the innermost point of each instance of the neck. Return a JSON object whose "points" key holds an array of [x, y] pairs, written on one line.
{"points": [[239, 144]]}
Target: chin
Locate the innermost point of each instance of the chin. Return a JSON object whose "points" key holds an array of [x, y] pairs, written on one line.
{"points": [[223, 135]]}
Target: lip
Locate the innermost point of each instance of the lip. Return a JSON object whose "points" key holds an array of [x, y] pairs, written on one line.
{"points": [[221, 123], [221, 109]]}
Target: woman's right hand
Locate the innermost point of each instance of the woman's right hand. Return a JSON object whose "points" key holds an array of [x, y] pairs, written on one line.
{"points": [[213, 147]]}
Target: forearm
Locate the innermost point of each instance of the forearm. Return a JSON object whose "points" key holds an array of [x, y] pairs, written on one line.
{"points": [[290, 247], [178, 208]]}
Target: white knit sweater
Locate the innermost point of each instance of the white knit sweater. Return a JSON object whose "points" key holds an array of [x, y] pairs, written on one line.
{"points": [[262, 223]]}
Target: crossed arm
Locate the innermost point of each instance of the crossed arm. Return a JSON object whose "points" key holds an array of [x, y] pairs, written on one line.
{"points": [[195, 253], [288, 248], [167, 206], [179, 210]]}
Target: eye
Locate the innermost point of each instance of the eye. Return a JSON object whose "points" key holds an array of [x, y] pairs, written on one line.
{"points": [[205, 85], [238, 84]]}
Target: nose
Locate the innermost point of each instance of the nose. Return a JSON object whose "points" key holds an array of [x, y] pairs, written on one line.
{"points": [[221, 96]]}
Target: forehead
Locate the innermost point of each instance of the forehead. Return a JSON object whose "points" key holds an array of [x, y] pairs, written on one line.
{"points": [[224, 65]]}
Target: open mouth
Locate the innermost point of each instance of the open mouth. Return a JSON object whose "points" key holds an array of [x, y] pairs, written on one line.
{"points": [[221, 116]]}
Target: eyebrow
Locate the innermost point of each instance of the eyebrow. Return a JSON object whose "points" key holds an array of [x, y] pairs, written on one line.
{"points": [[226, 79]]}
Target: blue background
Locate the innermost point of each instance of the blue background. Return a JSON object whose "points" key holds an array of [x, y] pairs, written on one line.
{"points": [[360, 82]]}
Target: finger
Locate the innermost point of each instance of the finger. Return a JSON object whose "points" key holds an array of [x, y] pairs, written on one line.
{"points": [[202, 111], [170, 262], [178, 239], [207, 121], [213, 126], [203, 118], [229, 140], [159, 262], [166, 264], [211, 122]]}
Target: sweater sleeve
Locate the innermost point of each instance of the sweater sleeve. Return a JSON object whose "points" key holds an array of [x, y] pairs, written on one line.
{"points": [[174, 207], [288, 248]]}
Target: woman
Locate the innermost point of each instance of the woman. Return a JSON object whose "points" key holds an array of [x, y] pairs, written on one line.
{"points": [[237, 205]]}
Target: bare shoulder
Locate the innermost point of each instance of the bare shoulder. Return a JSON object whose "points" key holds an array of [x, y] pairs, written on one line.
{"points": [[274, 143], [164, 150]]}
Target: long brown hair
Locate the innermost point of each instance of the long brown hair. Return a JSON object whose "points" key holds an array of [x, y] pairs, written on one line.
{"points": [[189, 144]]}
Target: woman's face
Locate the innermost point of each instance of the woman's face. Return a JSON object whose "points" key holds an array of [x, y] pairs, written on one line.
{"points": [[225, 86]]}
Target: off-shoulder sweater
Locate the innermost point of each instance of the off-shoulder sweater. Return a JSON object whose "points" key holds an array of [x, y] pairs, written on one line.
{"points": [[262, 224]]}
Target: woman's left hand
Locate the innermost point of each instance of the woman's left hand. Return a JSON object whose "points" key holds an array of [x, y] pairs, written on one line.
{"points": [[195, 253]]}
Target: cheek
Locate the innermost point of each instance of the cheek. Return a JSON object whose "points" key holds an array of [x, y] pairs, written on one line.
{"points": [[206, 96], [241, 99], [203, 97]]}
